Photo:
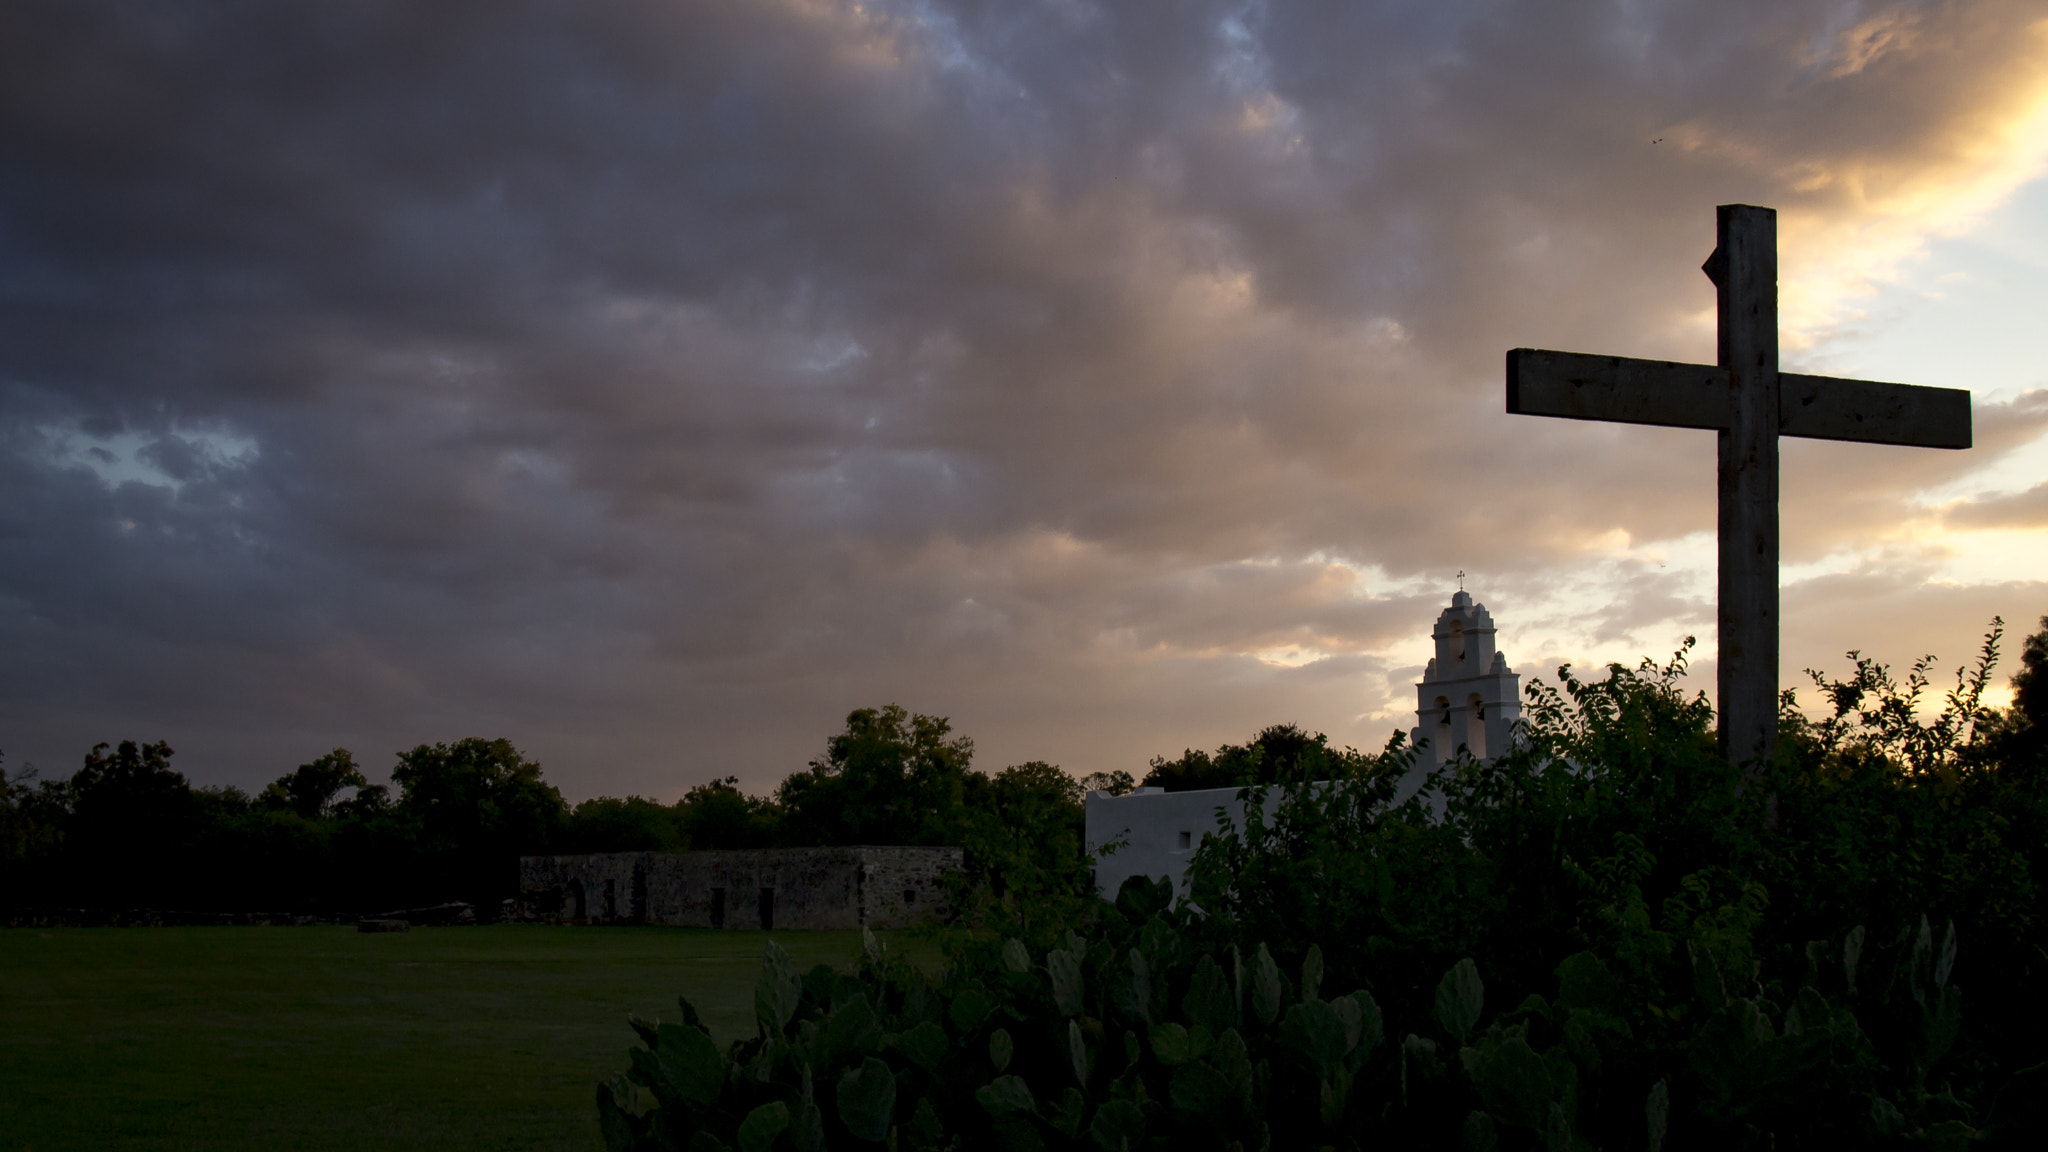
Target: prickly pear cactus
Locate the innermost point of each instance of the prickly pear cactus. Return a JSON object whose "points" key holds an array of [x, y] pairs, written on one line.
{"points": [[1140, 1038], [1135, 1040]]}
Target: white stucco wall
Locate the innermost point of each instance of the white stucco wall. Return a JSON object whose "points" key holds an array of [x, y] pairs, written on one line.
{"points": [[1162, 828]]}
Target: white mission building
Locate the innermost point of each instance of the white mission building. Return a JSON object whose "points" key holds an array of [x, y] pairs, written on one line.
{"points": [[1468, 698]]}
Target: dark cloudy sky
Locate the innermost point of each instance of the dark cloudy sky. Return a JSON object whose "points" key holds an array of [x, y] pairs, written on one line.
{"points": [[653, 383]]}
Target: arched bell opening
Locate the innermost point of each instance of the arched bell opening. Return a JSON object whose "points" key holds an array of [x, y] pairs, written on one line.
{"points": [[1475, 725]]}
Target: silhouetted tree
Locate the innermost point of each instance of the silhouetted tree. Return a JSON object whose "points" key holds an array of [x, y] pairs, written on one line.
{"points": [[890, 778], [2030, 684], [258, 853], [1278, 753], [132, 817], [632, 824], [717, 815], [475, 806], [312, 790], [1024, 830], [1116, 783], [33, 817]]}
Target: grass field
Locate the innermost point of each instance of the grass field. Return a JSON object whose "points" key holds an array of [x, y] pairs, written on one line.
{"points": [[323, 1038]]}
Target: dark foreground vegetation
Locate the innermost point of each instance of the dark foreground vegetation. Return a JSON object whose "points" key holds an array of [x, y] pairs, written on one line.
{"points": [[1608, 939]]}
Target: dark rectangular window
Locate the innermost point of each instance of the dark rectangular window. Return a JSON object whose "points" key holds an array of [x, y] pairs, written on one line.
{"points": [[1186, 838], [767, 908], [910, 895], [718, 907]]}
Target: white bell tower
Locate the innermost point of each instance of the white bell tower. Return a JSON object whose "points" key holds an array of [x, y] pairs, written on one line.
{"points": [[1468, 697]]}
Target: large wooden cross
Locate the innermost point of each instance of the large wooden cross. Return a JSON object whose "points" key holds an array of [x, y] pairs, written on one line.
{"points": [[1750, 403]]}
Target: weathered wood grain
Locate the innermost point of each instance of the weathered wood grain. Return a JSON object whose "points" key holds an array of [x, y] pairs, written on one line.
{"points": [[1744, 268], [1622, 390], [1616, 388], [1868, 412]]}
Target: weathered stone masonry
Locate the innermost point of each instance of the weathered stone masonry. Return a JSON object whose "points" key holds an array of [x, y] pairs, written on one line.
{"points": [[787, 888]]}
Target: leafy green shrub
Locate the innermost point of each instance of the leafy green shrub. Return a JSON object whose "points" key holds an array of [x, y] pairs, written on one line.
{"points": [[1607, 938], [1617, 831]]}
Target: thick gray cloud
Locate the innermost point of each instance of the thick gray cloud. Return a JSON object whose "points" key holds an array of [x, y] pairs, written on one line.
{"points": [[652, 383]]}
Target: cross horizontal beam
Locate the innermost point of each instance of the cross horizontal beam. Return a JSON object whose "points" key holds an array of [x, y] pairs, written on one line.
{"points": [[1629, 391]]}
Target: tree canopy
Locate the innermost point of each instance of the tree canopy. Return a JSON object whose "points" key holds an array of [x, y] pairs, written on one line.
{"points": [[891, 777], [1279, 753]]}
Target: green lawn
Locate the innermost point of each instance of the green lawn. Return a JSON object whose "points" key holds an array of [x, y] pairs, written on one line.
{"points": [[324, 1038]]}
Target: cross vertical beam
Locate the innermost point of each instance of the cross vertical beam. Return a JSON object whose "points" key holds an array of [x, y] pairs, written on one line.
{"points": [[1744, 268]]}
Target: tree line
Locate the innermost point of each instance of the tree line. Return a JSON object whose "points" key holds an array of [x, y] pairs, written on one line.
{"points": [[130, 831]]}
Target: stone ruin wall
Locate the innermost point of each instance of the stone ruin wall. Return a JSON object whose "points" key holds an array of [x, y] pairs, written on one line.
{"points": [[904, 885], [797, 888]]}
